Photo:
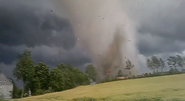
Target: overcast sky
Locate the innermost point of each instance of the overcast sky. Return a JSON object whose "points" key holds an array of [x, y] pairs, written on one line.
{"points": [[32, 25]]}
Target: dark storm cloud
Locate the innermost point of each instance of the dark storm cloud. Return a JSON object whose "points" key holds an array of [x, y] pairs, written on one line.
{"points": [[21, 24], [7, 54], [162, 30], [57, 55], [35, 26]]}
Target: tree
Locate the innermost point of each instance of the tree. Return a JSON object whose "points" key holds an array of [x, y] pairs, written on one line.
{"points": [[66, 77], [155, 62], [42, 73], [129, 66], [162, 64], [33, 85], [120, 73], [62, 66], [180, 61], [172, 62], [68, 74], [24, 69], [79, 77], [40, 79], [91, 72], [150, 65], [57, 80]]}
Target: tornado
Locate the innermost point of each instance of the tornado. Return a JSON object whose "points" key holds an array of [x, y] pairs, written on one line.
{"points": [[105, 31]]}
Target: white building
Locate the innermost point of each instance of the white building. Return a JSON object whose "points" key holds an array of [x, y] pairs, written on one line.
{"points": [[6, 87]]}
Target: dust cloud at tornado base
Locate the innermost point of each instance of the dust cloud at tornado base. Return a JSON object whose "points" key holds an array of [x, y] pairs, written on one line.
{"points": [[105, 31]]}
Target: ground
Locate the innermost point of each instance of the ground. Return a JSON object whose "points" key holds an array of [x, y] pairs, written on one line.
{"points": [[164, 88]]}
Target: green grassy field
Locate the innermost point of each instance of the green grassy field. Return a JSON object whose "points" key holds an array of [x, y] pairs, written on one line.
{"points": [[164, 88]]}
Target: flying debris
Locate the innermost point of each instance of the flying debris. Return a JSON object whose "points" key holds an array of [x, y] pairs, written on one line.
{"points": [[109, 72], [51, 10]]}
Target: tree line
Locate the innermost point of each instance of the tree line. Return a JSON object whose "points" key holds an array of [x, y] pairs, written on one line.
{"points": [[39, 79], [158, 64]]}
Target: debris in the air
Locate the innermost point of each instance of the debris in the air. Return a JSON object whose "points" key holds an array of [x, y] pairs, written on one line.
{"points": [[51, 10], [102, 18]]}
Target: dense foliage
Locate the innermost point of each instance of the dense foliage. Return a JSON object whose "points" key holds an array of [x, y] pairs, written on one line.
{"points": [[24, 69], [173, 62], [39, 79], [91, 71]]}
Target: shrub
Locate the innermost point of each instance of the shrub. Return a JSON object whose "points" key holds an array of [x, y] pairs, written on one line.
{"points": [[39, 92], [47, 91]]}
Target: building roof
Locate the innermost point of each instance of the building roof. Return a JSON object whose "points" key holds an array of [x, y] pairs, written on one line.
{"points": [[4, 80]]}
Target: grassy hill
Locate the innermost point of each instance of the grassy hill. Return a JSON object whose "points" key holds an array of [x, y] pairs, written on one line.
{"points": [[164, 88]]}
